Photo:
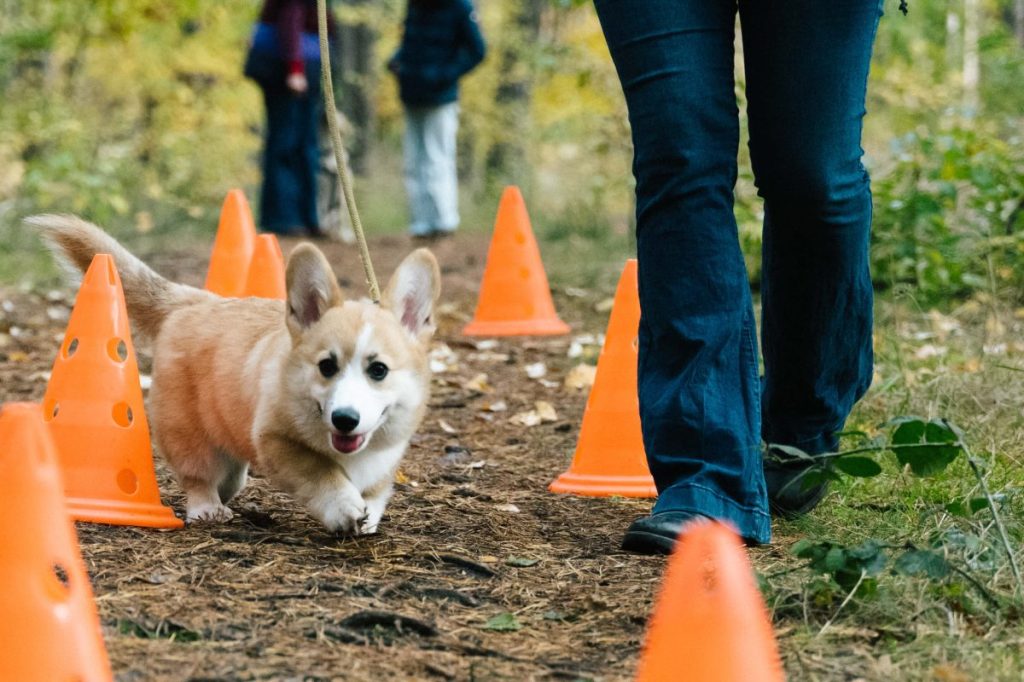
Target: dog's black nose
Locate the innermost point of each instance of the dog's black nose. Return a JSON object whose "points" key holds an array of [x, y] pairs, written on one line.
{"points": [[345, 419]]}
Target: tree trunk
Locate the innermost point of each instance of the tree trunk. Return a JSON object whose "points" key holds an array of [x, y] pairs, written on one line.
{"points": [[972, 64], [953, 56], [506, 160], [356, 74], [1018, 21]]}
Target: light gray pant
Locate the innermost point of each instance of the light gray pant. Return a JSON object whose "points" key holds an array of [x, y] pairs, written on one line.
{"points": [[430, 176]]}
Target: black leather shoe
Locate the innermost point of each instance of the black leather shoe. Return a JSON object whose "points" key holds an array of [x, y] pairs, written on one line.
{"points": [[656, 534], [789, 493]]}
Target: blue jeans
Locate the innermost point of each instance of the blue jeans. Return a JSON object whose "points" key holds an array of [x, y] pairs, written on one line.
{"points": [[291, 155], [431, 179], [704, 409]]}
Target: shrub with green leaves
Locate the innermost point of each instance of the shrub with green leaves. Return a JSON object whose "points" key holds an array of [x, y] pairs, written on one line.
{"points": [[949, 215]]}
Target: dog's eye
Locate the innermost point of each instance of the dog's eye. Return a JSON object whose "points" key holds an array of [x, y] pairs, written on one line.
{"points": [[377, 371], [328, 367]]}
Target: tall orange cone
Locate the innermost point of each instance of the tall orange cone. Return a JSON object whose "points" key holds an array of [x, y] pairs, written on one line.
{"points": [[710, 623], [93, 405], [232, 248], [266, 271], [610, 457], [515, 298], [48, 624]]}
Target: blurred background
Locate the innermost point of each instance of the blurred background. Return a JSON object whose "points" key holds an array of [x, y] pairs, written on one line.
{"points": [[135, 114]]}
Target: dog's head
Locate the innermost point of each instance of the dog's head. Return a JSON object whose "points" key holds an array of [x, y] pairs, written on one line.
{"points": [[358, 373]]}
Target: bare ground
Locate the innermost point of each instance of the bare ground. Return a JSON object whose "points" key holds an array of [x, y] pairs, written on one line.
{"points": [[471, 535]]}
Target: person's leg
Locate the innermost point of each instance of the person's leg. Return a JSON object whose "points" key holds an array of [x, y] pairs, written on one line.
{"points": [[412, 148], [698, 369], [310, 107], [280, 196], [807, 68], [441, 177]]}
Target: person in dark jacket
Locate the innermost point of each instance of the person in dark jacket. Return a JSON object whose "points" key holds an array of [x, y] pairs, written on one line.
{"points": [[284, 60], [704, 409], [441, 43]]}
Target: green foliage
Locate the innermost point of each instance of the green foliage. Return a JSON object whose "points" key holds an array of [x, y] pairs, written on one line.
{"points": [[949, 218], [926, 448]]}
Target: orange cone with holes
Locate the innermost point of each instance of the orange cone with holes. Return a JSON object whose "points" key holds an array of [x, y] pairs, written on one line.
{"points": [[266, 271], [710, 623], [610, 457], [515, 298], [48, 622], [232, 248], [93, 406]]}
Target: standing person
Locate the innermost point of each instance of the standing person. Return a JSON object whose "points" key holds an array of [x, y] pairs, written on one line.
{"points": [[284, 59], [704, 409], [441, 43]]}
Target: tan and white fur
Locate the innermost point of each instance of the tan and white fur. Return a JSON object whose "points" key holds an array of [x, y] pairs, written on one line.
{"points": [[322, 394]]}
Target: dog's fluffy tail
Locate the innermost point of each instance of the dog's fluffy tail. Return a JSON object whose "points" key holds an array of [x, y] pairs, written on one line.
{"points": [[150, 297]]}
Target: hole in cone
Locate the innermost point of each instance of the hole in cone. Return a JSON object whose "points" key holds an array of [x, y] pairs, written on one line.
{"points": [[127, 481], [70, 348], [117, 349], [123, 415], [59, 584], [50, 409], [636, 344]]}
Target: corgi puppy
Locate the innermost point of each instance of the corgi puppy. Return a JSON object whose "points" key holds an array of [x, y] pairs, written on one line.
{"points": [[322, 394]]}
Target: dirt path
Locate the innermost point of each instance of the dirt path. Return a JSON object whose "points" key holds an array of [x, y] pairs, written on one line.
{"points": [[471, 537]]}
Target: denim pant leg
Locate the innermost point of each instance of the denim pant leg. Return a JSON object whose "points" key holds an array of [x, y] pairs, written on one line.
{"points": [[290, 158], [807, 66], [698, 369]]}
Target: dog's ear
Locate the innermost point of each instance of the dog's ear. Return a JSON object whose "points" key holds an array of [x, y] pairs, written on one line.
{"points": [[312, 288], [413, 292]]}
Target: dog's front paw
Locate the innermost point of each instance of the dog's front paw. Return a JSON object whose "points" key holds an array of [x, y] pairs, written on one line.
{"points": [[208, 513], [341, 513]]}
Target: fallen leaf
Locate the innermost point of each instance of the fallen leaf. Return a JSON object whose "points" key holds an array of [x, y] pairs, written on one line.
{"points": [[478, 383], [17, 356], [581, 376], [503, 622], [488, 559], [446, 427], [536, 370], [604, 305], [496, 406], [521, 562], [400, 477], [930, 351], [487, 344], [546, 411], [528, 418], [510, 508]]}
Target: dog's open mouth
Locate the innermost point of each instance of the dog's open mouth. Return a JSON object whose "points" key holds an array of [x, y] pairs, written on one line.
{"points": [[346, 443]]}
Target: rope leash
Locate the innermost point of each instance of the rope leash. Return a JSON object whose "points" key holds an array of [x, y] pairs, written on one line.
{"points": [[344, 180]]}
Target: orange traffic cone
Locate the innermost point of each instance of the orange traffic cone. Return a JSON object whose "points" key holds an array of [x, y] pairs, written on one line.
{"points": [[710, 623], [93, 405], [232, 248], [266, 272], [610, 457], [515, 298], [48, 622]]}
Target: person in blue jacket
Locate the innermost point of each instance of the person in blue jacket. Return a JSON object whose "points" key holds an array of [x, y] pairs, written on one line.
{"points": [[705, 409], [284, 60], [440, 44]]}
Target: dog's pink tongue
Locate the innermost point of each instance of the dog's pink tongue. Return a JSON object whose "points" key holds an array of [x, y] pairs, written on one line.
{"points": [[346, 444]]}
